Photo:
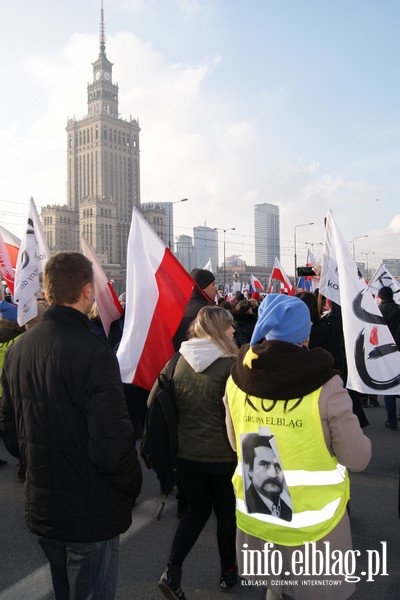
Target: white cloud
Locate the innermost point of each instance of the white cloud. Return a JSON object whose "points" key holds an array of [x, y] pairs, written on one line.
{"points": [[189, 7], [394, 225], [194, 143]]}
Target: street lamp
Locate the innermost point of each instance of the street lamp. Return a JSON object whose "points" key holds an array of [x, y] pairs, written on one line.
{"points": [[170, 219], [312, 244], [367, 254], [359, 237], [295, 251], [224, 231]]}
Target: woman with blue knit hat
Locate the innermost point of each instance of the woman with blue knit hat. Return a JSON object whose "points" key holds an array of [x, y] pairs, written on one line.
{"points": [[290, 420]]}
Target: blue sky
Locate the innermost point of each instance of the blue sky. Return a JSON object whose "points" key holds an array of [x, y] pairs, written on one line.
{"points": [[291, 102]]}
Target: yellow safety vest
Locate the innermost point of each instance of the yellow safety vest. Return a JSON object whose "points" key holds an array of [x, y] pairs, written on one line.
{"points": [[318, 485]]}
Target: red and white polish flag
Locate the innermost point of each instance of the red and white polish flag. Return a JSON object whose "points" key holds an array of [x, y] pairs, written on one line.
{"points": [[279, 274], [256, 284], [9, 247], [157, 291], [12, 243]]}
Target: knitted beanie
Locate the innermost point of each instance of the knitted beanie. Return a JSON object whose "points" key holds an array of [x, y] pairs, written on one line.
{"points": [[284, 318], [202, 277], [385, 293]]}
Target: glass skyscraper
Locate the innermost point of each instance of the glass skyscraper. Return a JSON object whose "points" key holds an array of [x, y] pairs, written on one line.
{"points": [[266, 234]]}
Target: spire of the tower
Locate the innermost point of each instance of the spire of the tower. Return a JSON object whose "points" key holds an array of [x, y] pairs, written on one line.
{"points": [[102, 31]]}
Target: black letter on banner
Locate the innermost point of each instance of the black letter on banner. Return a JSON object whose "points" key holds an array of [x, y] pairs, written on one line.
{"points": [[378, 352], [359, 355], [363, 315]]}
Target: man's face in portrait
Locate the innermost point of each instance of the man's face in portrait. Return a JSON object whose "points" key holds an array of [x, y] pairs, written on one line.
{"points": [[266, 474]]}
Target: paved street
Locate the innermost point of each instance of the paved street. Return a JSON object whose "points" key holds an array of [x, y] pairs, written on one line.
{"points": [[24, 574]]}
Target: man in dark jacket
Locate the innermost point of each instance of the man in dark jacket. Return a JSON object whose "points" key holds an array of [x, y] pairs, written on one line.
{"points": [[391, 314], [64, 413], [203, 295]]}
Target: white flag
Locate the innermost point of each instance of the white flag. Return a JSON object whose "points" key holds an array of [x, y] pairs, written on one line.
{"points": [[109, 306], [311, 261], [32, 256], [373, 360], [329, 281], [208, 266], [383, 277]]}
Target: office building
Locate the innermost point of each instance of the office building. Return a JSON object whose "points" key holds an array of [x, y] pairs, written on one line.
{"points": [[266, 234], [185, 252], [393, 266], [156, 216], [205, 245]]}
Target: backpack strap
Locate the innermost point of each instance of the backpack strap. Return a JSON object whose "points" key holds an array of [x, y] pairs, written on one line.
{"points": [[167, 377], [172, 364], [168, 405]]}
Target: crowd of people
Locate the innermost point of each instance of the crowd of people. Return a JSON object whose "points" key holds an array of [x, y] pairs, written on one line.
{"points": [[267, 431]]}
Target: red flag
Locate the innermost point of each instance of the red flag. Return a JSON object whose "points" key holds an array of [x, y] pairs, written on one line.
{"points": [[9, 246], [157, 291], [279, 274], [109, 306]]}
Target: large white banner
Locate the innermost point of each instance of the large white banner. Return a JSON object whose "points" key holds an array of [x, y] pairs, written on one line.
{"points": [[32, 256], [329, 280], [381, 278], [373, 360]]}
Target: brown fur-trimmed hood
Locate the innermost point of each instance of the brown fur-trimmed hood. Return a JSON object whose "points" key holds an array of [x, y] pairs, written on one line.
{"points": [[280, 370]]}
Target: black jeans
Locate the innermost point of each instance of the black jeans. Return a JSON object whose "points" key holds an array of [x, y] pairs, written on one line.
{"points": [[207, 487]]}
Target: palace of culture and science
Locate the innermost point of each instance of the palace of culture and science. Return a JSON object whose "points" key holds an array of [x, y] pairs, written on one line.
{"points": [[103, 174]]}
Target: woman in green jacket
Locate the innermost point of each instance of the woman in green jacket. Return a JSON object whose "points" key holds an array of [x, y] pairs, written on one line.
{"points": [[206, 461]]}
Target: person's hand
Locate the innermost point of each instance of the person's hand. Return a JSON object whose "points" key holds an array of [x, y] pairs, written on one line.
{"points": [[317, 270]]}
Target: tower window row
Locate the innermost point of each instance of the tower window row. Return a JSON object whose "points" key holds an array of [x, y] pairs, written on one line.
{"points": [[91, 134], [102, 94]]}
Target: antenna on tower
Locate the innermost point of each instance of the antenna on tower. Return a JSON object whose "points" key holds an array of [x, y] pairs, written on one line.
{"points": [[102, 30]]}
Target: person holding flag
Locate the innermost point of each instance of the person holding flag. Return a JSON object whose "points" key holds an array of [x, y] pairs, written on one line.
{"points": [[391, 313], [203, 295]]}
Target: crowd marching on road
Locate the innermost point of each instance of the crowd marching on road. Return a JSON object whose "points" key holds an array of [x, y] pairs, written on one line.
{"points": [[268, 440]]}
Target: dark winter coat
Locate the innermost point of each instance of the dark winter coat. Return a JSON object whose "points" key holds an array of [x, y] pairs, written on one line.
{"points": [[244, 327], [196, 302], [64, 413], [391, 313]]}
